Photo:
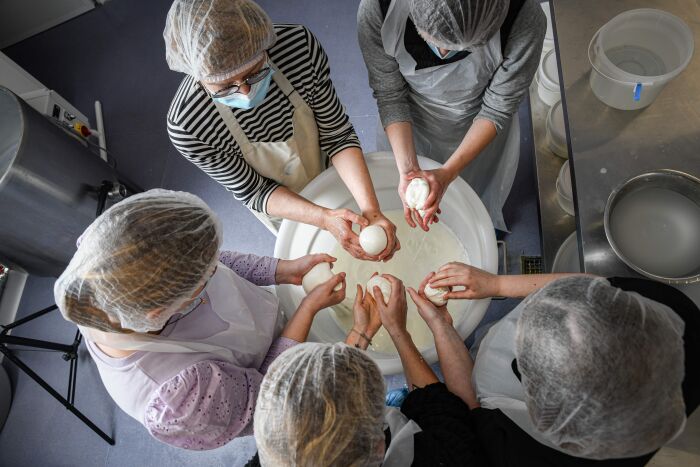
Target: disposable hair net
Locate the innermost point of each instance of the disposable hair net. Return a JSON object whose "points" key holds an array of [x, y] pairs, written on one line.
{"points": [[214, 40], [458, 24], [149, 252], [321, 405], [601, 368]]}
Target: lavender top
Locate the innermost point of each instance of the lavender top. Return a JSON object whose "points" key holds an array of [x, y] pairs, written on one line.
{"points": [[192, 400]]}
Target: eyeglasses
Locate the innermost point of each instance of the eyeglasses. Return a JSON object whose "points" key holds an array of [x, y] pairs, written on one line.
{"points": [[250, 80]]}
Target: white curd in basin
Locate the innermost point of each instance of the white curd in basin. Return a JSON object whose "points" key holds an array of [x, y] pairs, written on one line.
{"points": [[421, 253]]}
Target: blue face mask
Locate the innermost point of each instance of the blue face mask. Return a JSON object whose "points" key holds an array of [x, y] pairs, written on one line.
{"points": [[255, 96], [436, 51]]}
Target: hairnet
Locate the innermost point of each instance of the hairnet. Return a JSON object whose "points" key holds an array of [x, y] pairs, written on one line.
{"points": [[458, 24], [214, 40], [320, 405], [151, 251], [601, 368]]}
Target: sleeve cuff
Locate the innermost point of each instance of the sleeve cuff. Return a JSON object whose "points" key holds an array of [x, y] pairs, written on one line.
{"points": [[278, 346], [499, 119], [394, 112]]}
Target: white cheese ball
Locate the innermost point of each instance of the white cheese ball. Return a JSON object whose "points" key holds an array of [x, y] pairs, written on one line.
{"points": [[383, 284], [373, 240], [436, 295], [318, 275], [417, 193]]}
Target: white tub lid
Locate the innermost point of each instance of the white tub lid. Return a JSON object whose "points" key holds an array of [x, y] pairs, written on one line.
{"points": [[548, 72]]}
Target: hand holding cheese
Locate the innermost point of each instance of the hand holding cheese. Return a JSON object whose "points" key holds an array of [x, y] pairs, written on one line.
{"points": [[373, 240], [316, 276]]}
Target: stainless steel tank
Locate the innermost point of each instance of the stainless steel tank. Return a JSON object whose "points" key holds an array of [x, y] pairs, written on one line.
{"points": [[49, 185]]}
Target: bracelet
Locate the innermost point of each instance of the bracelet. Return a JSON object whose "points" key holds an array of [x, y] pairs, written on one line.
{"points": [[362, 335]]}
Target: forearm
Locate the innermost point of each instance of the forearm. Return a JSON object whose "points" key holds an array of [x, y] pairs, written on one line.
{"points": [[298, 327], [455, 362], [286, 204], [522, 285], [418, 373], [480, 134], [351, 166], [400, 135], [260, 270]]}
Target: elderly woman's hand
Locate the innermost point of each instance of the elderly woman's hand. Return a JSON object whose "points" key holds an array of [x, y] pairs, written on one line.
{"points": [[477, 283], [325, 295], [392, 314], [291, 271]]}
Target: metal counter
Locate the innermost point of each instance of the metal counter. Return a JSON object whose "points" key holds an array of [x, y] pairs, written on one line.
{"points": [[609, 146]]}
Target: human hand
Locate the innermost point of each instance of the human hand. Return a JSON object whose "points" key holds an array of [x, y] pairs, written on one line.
{"points": [[477, 283], [291, 271], [393, 313], [339, 223], [324, 295], [431, 314], [393, 245], [438, 181], [365, 313]]}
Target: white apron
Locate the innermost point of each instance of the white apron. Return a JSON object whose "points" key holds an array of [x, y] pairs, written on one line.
{"points": [[251, 312], [292, 163], [444, 101], [402, 429]]}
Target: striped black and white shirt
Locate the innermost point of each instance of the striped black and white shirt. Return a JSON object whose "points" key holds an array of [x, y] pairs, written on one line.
{"points": [[200, 134]]}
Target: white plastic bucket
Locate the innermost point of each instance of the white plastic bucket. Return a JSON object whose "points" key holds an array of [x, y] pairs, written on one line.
{"points": [[556, 132], [635, 54], [548, 79], [565, 192], [462, 212], [548, 43]]}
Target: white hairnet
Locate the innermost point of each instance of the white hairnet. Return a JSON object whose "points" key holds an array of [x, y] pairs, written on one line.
{"points": [[321, 405], [214, 40], [601, 368], [458, 24], [150, 252]]}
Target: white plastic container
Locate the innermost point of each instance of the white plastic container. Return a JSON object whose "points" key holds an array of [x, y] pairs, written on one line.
{"points": [[635, 54], [548, 79], [556, 131], [548, 43], [462, 211], [567, 259], [565, 192]]}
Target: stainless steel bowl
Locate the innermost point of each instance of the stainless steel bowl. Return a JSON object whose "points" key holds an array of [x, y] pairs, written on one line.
{"points": [[674, 181]]}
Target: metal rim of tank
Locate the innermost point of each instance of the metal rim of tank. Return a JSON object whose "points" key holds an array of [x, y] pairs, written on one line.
{"points": [[18, 129], [630, 186]]}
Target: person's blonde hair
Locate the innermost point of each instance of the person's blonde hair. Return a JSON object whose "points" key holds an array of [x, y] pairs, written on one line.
{"points": [[321, 405]]}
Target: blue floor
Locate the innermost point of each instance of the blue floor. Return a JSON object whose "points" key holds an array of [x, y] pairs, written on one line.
{"points": [[116, 54]]}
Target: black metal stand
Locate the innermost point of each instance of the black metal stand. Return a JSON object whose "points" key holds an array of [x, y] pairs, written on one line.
{"points": [[70, 354], [106, 190]]}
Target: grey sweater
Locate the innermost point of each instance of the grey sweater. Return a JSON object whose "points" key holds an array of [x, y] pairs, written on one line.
{"points": [[502, 97]]}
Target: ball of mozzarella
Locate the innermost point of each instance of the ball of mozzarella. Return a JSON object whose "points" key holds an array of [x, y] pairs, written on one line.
{"points": [[417, 193], [383, 284], [316, 276], [436, 295], [373, 240]]}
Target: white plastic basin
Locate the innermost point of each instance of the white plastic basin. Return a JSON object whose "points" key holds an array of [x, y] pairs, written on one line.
{"points": [[462, 211], [548, 79], [635, 54]]}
